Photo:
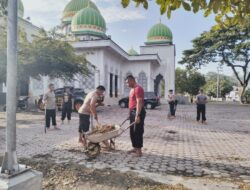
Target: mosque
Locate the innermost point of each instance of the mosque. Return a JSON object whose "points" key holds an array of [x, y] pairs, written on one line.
{"points": [[85, 28]]}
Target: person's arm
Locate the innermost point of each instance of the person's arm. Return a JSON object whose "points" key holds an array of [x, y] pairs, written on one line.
{"points": [[196, 99], [93, 108], [45, 97], [138, 106], [206, 100], [139, 101]]}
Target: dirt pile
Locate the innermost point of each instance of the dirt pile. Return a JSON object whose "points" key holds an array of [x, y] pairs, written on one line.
{"points": [[72, 176]]}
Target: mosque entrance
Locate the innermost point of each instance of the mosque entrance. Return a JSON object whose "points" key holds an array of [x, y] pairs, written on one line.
{"points": [[159, 85]]}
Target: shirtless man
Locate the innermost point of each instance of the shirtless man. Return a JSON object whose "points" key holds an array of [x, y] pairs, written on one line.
{"points": [[89, 109]]}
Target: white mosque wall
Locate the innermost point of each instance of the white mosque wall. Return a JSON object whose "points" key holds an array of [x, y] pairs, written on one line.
{"points": [[167, 68], [29, 29], [137, 69], [113, 64]]}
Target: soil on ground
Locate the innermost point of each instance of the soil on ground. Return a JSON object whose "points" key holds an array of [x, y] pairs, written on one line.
{"points": [[72, 176]]}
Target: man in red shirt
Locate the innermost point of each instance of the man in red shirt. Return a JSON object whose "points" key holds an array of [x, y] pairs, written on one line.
{"points": [[137, 114]]}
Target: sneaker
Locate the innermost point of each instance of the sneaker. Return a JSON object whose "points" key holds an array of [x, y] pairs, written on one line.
{"points": [[204, 122]]}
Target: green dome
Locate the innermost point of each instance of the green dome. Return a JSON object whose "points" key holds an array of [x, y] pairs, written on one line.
{"points": [[88, 21], [159, 33], [73, 7], [20, 9], [132, 51]]}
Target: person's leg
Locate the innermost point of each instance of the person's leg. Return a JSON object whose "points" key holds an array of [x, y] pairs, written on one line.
{"points": [[172, 109], [69, 110], [204, 113], [132, 132], [198, 113], [63, 112], [47, 118], [139, 135], [53, 116], [83, 128]]}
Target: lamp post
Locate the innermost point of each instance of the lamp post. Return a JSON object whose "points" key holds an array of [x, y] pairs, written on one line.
{"points": [[13, 175], [219, 69], [10, 165]]}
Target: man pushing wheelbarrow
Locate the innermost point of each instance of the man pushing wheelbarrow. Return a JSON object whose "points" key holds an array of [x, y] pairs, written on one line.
{"points": [[87, 110]]}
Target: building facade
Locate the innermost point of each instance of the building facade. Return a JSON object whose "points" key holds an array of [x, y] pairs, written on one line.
{"points": [[85, 28], [153, 67]]}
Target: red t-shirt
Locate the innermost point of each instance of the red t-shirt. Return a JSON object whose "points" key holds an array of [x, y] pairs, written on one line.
{"points": [[136, 92]]}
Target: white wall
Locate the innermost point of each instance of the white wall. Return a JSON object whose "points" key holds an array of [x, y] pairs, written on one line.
{"points": [[167, 69]]}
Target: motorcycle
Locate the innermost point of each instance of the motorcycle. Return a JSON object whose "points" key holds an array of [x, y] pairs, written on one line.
{"points": [[22, 103]]}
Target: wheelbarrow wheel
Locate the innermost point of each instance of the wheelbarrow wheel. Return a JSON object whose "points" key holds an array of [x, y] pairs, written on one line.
{"points": [[93, 150]]}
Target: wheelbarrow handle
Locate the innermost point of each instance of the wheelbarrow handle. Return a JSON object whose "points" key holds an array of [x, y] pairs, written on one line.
{"points": [[124, 121], [123, 130]]}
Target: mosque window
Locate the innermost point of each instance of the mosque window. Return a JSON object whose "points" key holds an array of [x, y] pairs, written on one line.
{"points": [[142, 80]]}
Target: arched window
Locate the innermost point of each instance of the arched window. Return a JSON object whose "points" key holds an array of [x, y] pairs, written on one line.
{"points": [[142, 80]]}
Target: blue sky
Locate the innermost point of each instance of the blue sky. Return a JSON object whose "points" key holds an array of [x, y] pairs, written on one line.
{"points": [[129, 27]]}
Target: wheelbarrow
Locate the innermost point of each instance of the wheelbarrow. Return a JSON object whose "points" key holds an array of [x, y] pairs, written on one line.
{"points": [[93, 146]]}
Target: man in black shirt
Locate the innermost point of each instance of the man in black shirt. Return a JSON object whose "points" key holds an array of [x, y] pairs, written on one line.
{"points": [[66, 104]]}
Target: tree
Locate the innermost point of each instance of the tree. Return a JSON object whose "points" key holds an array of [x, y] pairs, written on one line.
{"points": [[181, 81], [247, 96], [226, 84], [231, 11], [46, 55], [228, 46], [195, 81], [189, 81]]}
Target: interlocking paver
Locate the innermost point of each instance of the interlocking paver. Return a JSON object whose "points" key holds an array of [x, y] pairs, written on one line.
{"points": [[179, 146]]}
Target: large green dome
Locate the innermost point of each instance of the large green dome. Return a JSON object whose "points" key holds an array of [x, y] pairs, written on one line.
{"points": [[73, 7], [88, 21], [20, 9], [159, 33]]}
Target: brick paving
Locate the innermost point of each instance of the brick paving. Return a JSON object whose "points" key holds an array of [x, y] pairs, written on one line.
{"points": [[181, 146]]}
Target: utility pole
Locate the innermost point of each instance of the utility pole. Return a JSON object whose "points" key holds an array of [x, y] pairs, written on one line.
{"points": [[10, 165], [219, 69], [13, 175]]}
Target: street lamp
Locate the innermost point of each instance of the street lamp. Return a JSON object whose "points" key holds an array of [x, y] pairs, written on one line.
{"points": [[219, 69], [10, 165]]}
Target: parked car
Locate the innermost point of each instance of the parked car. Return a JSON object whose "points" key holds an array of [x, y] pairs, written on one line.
{"points": [[151, 100], [77, 99], [22, 103]]}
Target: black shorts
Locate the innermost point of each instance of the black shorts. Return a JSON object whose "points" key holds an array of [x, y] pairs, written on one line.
{"points": [[84, 122]]}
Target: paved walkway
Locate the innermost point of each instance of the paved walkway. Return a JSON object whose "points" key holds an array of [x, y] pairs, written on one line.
{"points": [[180, 146]]}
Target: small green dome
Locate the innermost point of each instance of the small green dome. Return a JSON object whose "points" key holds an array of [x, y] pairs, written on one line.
{"points": [[73, 7], [88, 21], [159, 33], [132, 51], [20, 9]]}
